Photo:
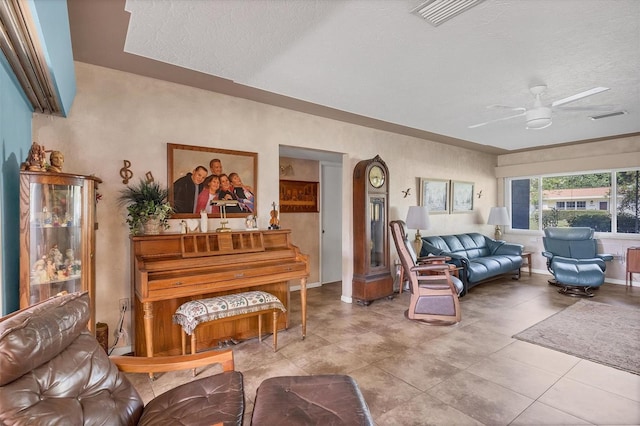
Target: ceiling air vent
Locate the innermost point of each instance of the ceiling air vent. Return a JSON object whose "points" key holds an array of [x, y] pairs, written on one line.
{"points": [[610, 114], [438, 11]]}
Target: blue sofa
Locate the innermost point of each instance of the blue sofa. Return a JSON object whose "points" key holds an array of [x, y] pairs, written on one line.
{"points": [[481, 258]]}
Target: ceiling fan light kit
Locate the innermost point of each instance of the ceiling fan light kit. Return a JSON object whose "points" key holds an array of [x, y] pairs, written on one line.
{"points": [[538, 118]]}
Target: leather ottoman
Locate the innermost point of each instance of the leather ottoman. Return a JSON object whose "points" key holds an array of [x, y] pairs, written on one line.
{"points": [[310, 400]]}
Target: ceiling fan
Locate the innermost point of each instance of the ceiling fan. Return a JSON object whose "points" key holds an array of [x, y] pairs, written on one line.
{"points": [[539, 116]]}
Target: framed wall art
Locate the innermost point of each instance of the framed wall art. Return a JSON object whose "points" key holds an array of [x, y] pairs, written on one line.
{"points": [[298, 196], [188, 166], [461, 197], [434, 193]]}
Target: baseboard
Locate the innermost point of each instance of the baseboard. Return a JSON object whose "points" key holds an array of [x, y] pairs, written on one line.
{"points": [[346, 299], [312, 285]]}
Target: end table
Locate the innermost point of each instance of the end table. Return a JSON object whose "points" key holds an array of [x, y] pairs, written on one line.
{"points": [[633, 264], [526, 256]]}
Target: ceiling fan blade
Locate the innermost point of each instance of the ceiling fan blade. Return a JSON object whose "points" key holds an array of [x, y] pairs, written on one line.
{"points": [[578, 96], [498, 119], [506, 107], [588, 108]]}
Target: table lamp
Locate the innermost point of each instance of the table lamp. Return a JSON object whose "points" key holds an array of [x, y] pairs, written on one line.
{"points": [[418, 218], [499, 217]]}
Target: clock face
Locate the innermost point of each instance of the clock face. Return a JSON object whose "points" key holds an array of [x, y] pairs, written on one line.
{"points": [[376, 176]]}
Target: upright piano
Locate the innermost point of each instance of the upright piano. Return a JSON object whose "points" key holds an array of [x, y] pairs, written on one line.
{"points": [[170, 269]]}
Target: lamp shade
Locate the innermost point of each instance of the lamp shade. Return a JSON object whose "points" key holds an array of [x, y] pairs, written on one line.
{"points": [[418, 217], [499, 216]]}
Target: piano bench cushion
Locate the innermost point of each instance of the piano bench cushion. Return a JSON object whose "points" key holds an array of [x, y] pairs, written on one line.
{"points": [[195, 312]]}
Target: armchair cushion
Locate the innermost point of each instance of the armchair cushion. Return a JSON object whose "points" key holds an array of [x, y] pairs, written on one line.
{"points": [[215, 397]]}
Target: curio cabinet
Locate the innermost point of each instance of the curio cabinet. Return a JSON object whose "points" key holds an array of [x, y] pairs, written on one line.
{"points": [[57, 236]]}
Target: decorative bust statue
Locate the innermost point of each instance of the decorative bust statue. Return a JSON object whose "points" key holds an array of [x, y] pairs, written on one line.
{"points": [[57, 160]]}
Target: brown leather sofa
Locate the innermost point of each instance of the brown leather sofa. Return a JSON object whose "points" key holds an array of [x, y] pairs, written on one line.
{"points": [[54, 371]]}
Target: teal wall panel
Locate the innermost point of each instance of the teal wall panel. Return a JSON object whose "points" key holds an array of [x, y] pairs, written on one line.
{"points": [[16, 113], [15, 139]]}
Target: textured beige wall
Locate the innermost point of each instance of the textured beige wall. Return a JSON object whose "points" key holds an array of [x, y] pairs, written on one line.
{"points": [[118, 116], [609, 154]]}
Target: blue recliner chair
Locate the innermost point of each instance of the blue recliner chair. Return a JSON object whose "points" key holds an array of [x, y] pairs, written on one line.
{"points": [[573, 259]]}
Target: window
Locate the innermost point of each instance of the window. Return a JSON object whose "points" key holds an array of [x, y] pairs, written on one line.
{"points": [[577, 200], [628, 201]]}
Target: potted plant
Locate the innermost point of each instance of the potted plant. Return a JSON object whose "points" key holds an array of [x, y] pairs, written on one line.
{"points": [[147, 207]]}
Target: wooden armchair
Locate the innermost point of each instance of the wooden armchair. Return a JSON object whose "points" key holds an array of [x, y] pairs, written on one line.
{"points": [[420, 260], [54, 371], [434, 297]]}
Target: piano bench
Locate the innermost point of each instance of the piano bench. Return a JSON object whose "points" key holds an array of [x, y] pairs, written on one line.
{"points": [[225, 308]]}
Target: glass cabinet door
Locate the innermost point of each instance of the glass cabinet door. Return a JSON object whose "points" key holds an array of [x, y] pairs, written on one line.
{"points": [[377, 256], [55, 219], [57, 236]]}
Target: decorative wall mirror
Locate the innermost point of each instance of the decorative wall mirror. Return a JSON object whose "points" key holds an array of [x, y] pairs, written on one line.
{"points": [[185, 164]]}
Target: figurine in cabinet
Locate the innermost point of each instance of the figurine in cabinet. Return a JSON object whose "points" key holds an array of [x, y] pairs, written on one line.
{"points": [[51, 270], [55, 255], [69, 257]]}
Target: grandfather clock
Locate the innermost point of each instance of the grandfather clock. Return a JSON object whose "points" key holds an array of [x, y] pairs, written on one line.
{"points": [[371, 271]]}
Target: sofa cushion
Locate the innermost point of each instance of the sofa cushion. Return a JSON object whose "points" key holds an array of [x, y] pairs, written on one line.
{"points": [[467, 245], [482, 268]]}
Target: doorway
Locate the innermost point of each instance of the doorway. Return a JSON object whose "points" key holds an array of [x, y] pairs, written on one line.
{"points": [[330, 223]]}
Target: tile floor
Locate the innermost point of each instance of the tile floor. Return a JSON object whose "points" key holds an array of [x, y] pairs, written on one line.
{"points": [[473, 373]]}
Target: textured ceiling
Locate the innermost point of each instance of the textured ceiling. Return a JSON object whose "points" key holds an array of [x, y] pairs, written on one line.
{"points": [[373, 59]]}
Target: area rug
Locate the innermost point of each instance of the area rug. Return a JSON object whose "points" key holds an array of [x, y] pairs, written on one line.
{"points": [[598, 332]]}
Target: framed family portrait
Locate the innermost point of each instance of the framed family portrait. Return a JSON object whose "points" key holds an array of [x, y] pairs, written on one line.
{"points": [[191, 170], [298, 196], [461, 197], [434, 193]]}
